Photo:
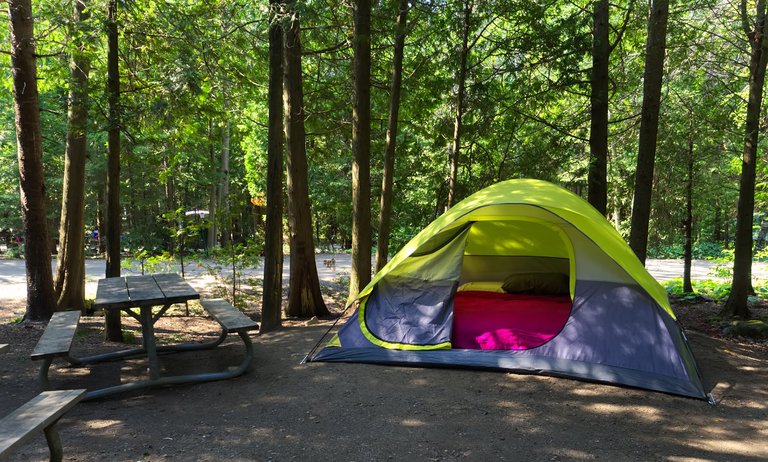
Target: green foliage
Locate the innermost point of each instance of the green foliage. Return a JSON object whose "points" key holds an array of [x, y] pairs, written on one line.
{"points": [[190, 69], [229, 263], [715, 289], [700, 250]]}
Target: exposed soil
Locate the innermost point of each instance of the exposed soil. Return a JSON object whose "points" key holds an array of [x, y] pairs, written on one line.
{"points": [[282, 410]]}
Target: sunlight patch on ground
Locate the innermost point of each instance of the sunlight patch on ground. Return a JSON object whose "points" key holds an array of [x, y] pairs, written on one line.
{"points": [[687, 459], [730, 447], [648, 413], [100, 424], [413, 423]]}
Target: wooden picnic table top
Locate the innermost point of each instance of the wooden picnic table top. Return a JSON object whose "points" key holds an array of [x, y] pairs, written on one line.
{"points": [[137, 291]]}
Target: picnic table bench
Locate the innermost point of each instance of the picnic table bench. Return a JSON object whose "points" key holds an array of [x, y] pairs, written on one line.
{"points": [[56, 342], [144, 293]]}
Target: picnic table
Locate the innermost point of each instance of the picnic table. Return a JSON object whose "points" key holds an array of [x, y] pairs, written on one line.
{"points": [[147, 299]]}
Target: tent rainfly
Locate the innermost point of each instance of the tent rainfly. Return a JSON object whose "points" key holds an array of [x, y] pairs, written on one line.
{"points": [[522, 276]]}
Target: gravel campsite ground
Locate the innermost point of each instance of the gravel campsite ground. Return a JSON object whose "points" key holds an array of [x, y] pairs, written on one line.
{"points": [[282, 410]]}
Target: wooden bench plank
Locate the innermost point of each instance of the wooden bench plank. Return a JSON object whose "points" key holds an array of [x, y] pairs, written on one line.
{"points": [[40, 412], [175, 288], [57, 337], [228, 316], [111, 292], [144, 288]]}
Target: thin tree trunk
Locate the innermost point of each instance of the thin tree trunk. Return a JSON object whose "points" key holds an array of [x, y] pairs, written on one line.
{"points": [[70, 262], [597, 192], [460, 103], [273, 239], [385, 209], [41, 300], [688, 223], [649, 125], [113, 329], [213, 200], [224, 209], [360, 274], [741, 287], [304, 297]]}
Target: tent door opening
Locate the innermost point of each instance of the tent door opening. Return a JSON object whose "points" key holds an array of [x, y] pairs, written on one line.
{"points": [[515, 286]]}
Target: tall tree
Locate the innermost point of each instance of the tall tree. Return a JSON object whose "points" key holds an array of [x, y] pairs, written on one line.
{"points": [[461, 83], [655, 47], [41, 301], [273, 240], [113, 330], [688, 220], [304, 297], [360, 275], [70, 264], [223, 209], [597, 191], [385, 209], [736, 305]]}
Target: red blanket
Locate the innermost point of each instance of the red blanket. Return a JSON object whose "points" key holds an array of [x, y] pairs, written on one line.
{"points": [[501, 321]]}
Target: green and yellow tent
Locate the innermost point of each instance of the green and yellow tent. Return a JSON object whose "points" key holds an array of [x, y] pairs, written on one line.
{"points": [[522, 276]]}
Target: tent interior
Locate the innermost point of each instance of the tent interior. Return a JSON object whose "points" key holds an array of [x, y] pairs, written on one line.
{"points": [[514, 287]]}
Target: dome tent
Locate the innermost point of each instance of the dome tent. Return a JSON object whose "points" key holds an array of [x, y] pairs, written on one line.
{"points": [[475, 289]]}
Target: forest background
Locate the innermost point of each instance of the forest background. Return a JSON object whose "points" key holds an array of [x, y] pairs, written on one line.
{"points": [[487, 91]]}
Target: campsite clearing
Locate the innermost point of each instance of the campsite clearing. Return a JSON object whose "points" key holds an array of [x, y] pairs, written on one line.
{"points": [[324, 411]]}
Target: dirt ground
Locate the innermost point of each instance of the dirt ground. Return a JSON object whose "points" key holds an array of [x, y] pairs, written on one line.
{"points": [[282, 410]]}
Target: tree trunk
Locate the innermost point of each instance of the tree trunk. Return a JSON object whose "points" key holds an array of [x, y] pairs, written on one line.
{"points": [[360, 274], [385, 210], [113, 329], [213, 200], [688, 223], [597, 192], [460, 96], [41, 300], [223, 209], [70, 262], [273, 237], [736, 305], [649, 125], [304, 297]]}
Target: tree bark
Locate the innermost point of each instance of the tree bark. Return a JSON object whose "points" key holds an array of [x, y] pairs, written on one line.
{"points": [[113, 329], [385, 209], [688, 222], [213, 200], [360, 274], [741, 286], [649, 125], [304, 297], [460, 103], [70, 262], [41, 300], [273, 237], [223, 209], [597, 192]]}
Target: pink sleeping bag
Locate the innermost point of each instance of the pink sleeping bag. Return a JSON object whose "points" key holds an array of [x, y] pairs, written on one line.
{"points": [[501, 321]]}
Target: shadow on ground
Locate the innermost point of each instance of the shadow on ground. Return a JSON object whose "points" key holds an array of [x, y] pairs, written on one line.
{"points": [[282, 410]]}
